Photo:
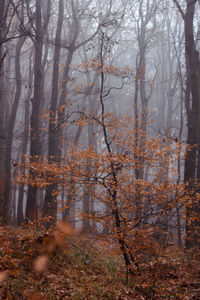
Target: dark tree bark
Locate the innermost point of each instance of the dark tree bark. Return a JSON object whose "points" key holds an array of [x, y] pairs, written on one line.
{"points": [[10, 132], [50, 206], [2, 127], [193, 115], [31, 209], [192, 104], [2, 28], [50, 203], [193, 81], [42, 17]]}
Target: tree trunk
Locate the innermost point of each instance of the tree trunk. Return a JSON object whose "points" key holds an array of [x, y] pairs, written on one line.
{"points": [[20, 215], [31, 209], [10, 131], [2, 125], [193, 114], [50, 205]]}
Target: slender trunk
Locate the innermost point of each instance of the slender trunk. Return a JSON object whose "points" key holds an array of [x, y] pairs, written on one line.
{"points": [[20, 214], [193, 76], [10, 131], [31, 208], [178, 212], [193, 115], [136, 120], [50, 205], [113, 188], [92, 142], [68, 211], [2, 125], [138, 169]]}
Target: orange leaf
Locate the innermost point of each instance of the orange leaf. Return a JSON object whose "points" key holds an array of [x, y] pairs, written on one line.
{"points": [[3, 276], [40, 263], [65, 228]]}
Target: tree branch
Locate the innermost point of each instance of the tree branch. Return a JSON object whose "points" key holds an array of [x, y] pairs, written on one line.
{"points": [[180, 9]]}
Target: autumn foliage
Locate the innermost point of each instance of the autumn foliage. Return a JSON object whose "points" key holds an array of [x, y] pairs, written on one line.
{"points": [[63, 263], [126, 187], [143, 214]]}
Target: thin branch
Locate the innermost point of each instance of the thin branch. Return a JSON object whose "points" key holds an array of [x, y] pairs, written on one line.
{"points": [[180, 9]]}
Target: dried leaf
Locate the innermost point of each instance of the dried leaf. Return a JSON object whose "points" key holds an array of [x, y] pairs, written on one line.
{"points": [[48, 246], [59, 239], [40, 263], [34, 296], [3, 276], [65, 228]]}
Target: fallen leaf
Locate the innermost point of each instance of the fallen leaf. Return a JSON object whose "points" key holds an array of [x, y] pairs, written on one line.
{"points": [[34, 296], [3, 276], [65, 228], [40, 263]]}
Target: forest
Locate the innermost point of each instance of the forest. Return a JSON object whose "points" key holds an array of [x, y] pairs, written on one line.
{"points": [[99, 149]]}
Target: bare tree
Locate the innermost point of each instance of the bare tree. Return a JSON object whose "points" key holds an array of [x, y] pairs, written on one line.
{"points": [[56, 132], [192, 105], [41, 23]]}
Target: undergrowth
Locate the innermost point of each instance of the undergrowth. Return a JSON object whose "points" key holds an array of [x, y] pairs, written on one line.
{"points": [[61, 264]]}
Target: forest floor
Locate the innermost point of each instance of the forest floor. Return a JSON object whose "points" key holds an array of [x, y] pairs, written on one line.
{"points": [[38, 265]]}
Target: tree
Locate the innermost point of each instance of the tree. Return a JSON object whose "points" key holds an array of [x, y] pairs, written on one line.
{"points": [[20, 213], [52, 137], [8, 15], [111, 172], [58, 109], [192, 105], [10, 131], [41, 23]]}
